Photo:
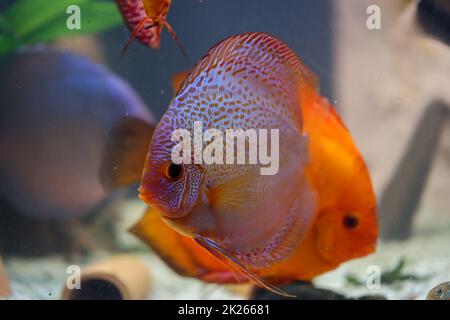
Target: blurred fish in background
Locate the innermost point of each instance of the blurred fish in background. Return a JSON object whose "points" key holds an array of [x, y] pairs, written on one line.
{"points": [[56, 111]]}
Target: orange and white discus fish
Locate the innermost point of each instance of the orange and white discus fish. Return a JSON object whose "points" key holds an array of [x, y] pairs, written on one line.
{"points": [[227, 223]]}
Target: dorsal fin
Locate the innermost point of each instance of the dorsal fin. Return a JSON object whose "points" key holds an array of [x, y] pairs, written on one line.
{"points": [[260, 52], [257, 63]]}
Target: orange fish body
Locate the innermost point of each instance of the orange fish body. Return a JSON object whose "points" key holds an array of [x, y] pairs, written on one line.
{"points": [[347, 220], [346, 224], [342, 223]]}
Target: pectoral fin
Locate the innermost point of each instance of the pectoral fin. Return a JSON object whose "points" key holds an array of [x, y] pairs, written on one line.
{"points": [[125, 152], [181, 253]]}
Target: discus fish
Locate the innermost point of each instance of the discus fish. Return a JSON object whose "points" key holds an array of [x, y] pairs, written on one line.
{"points": [[146, 19], [55, 112], [346, 223], [255, 80]]}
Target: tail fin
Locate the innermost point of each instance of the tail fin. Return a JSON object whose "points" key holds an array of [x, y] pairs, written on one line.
{"points": [[136, 30], [141, 25]]}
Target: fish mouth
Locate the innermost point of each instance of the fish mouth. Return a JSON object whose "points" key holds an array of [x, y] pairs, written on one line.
{"points": [[150, 201], [144, 196]]}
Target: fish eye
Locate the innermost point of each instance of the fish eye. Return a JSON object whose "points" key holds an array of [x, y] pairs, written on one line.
{"points": [[174, 171], [350, 221]]}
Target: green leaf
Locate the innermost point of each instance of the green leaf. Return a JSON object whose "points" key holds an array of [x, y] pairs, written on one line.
{"points": [[7, 44], [25, 16], [4, 26], [95, 17]]}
